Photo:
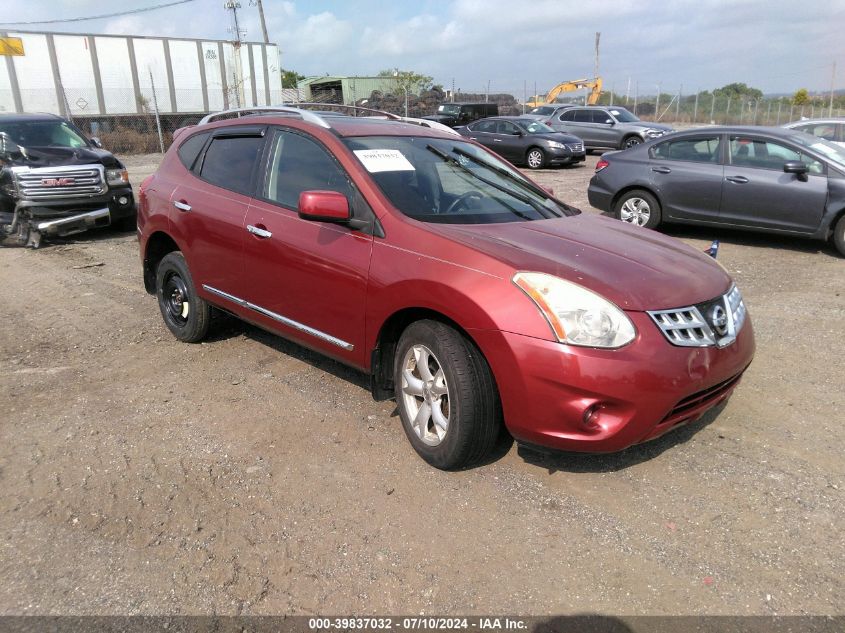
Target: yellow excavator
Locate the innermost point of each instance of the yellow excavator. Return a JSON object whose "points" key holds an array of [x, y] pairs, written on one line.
{"points": [[593, 85]]}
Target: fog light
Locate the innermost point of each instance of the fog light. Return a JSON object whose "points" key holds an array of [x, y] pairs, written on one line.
{"points": [[123, 201], [591, 416]]}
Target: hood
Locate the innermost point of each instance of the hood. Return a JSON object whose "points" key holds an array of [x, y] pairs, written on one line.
{"points": [[59, 156], [635, 268], [559, 137], [651, 126]]}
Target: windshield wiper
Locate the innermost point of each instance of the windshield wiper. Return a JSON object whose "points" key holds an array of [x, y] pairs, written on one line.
{"points": [[543, 211]]}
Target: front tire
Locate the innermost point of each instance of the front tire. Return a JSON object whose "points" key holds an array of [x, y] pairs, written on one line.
{"points": [[630, 141], [638, 207], [185, 314], [446, 396], [839, 235], [535, 158]]}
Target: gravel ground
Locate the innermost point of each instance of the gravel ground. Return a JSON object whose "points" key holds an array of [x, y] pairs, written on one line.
{"points": [[139, 475]]}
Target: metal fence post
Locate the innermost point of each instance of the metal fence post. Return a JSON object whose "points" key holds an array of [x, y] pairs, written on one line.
{"points": [[728, 110], [768, 113], [756, 106], [712, 109], [695, 108], [155, 110]]}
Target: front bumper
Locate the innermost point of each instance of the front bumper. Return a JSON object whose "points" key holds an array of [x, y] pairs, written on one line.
{"points": [[566, 157], [637, 393], [75, 223]]}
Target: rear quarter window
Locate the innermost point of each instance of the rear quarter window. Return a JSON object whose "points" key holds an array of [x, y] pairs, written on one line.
{"points": [[190, 149]]}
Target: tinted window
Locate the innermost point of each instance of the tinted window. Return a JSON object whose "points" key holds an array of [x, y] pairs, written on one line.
{"points": [[746, 152], [299, 164], [506, 127], [543, 110], [697, 149], [230, 162], [581, 116], [600, 116], [568, 115], [190, 148], [484, 126]]}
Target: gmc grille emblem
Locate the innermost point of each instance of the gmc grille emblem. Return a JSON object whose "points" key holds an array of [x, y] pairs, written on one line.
{"points": [[57, 182]]}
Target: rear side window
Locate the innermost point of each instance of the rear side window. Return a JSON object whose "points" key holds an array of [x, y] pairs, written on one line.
{"points": [[190, 149], [484, 126], [700, 149], [230, 162], [581, 116]]}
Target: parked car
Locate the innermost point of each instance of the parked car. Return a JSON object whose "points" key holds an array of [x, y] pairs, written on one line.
{"points": [[606, 127], [545, 112], [455, 114], [525, 141], [464, 289], [56, 181], [753, 178], [832, 130]]}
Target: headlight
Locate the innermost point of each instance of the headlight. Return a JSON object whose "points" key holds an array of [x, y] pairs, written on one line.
{"points": [[117, 176], [576, 315], [650, 133], [556, 145]]}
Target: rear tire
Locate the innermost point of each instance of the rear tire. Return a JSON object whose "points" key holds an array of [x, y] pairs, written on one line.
{"points": [[185, 314], [638, 207], [535, 158], [839, 235], [446, 396]]}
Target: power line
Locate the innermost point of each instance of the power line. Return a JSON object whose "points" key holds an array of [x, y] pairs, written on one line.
{"points": [[98, 17]]}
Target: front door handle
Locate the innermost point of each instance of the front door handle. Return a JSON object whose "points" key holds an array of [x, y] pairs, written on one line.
{"points": [[740, 180], [182, 206], [661, 170], [258, 231], [497, 140]]}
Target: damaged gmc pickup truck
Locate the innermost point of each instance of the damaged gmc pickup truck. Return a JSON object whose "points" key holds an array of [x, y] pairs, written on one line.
{"points": [[55, 181]]}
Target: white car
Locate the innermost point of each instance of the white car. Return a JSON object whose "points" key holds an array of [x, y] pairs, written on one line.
{"points": [[832, 129]]}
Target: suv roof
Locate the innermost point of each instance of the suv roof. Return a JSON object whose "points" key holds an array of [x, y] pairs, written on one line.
{"points": [[14, 117]]}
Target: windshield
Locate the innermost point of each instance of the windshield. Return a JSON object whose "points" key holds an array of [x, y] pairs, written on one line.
{"points": [[534, 127], [543, 110], [623, 116], [831, 151], [43, 134], [449, 108], [453, 182]]}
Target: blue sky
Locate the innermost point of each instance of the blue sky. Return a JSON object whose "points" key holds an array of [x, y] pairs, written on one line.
{"points": [[775, 45]]}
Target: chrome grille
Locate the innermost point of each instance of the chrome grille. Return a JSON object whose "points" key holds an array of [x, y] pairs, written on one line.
{"points": [[715, 322], [575, 147], [48, 183]]}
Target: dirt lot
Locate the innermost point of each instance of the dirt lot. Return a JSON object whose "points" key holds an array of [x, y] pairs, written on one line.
{"points": [[247, 475]]}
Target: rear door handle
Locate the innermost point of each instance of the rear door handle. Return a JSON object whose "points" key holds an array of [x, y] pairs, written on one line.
{"points": [[662, 170], [258, 231], [740, 180], [182, 206]]}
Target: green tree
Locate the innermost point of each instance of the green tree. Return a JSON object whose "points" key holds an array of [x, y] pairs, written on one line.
{"points": [[738, 91], [290, 78], [408, 80], [801, 97]]}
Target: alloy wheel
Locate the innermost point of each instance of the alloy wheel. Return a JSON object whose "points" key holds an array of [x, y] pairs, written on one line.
{"points": [[535, 159], [425, 394]]}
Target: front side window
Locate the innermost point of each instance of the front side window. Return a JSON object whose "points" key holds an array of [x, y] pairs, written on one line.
{"points": [[298, 164], [451, 181], [448, 108], [581, 116], [699, 149], [229, 162], [750, 152], [506, 127], [600, 116]]}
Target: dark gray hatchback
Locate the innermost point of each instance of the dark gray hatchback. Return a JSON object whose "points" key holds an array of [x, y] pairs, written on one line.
{"points": [[752, 178]]}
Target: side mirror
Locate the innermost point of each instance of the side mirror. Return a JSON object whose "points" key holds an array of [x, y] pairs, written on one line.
{"points": [[796, 167], [96, 142], [609, 121], [324, 206]]}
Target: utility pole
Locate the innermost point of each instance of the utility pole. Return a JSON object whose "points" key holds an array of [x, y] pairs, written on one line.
{"points": [[628, 91], [596, 66], [832, 79], [237, 31], [261, 15]]}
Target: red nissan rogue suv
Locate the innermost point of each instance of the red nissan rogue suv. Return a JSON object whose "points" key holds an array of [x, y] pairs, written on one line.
{"points": [[465, 290]]}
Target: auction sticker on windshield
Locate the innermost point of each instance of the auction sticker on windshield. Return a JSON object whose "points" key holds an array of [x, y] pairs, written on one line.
{"points": [[376, 160]]}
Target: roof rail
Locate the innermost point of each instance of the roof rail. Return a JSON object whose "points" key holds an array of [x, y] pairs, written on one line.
{"points": [[305, 114]]}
